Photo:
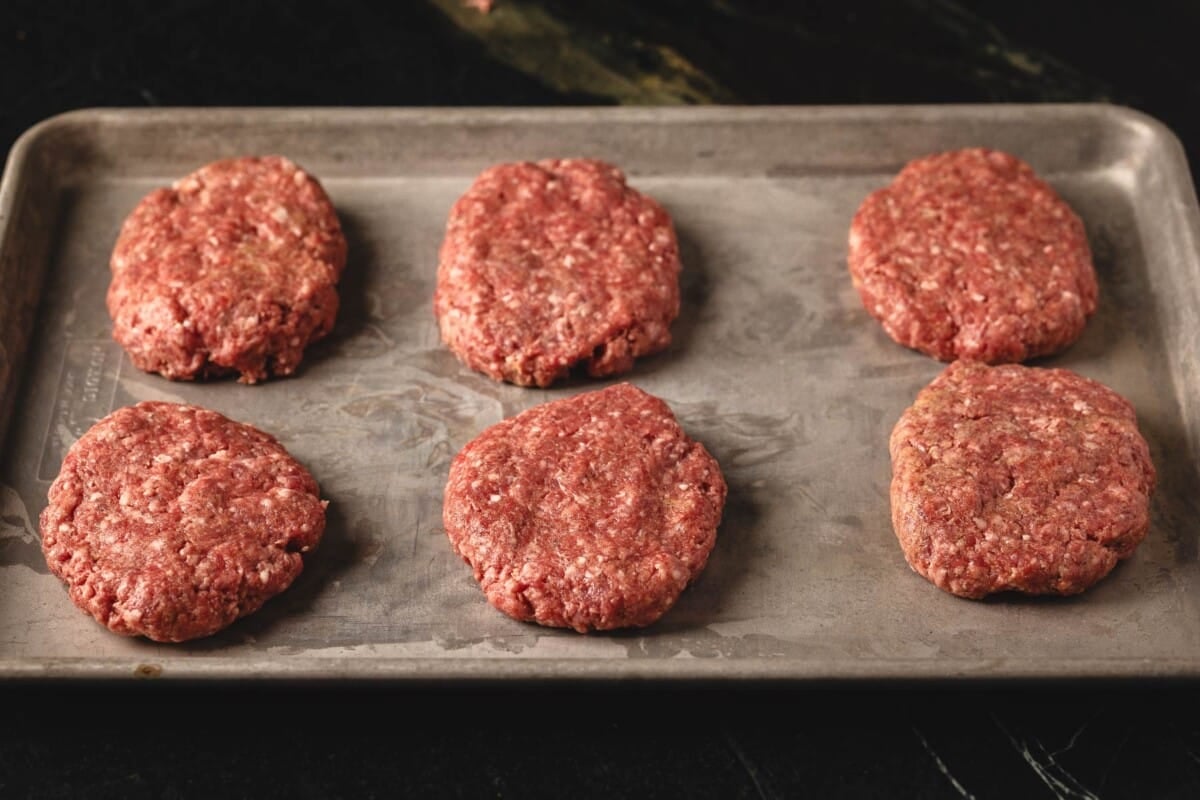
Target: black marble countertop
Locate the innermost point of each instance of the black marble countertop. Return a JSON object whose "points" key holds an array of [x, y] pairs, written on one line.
{"points": [[1060, 739]]}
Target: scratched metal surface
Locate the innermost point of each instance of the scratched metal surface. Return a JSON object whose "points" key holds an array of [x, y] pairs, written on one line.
{"points": [[775, 367]]}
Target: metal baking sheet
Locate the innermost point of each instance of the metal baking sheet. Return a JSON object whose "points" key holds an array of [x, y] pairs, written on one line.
{"points": [[775, 367]]}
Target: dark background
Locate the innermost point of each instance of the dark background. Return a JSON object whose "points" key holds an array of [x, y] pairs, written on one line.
{"points": [[1045, 740]]}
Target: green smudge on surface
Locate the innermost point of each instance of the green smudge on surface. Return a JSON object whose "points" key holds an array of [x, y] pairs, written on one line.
{"points": [[530, 38]]}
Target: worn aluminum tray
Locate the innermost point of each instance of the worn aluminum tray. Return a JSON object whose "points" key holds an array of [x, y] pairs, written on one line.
{"points": [[775, 367]]}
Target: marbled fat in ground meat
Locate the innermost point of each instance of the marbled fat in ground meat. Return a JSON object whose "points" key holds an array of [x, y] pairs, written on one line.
{"points": [[969, 254], [171, 521], [1014, 478], [593, 512], [234, 269], [551, 265]]}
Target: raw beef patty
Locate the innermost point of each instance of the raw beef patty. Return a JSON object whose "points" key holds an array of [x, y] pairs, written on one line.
{"points": [[551, 265], [170, 521], [234, 269], [969, 254], [593, 512], [1014, 478]]}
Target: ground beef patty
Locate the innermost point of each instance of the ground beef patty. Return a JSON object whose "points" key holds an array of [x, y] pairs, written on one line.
{"points": [[171, 521], [592, 512], [545, 266], [969, 254], [1018, 478], [232, 269]]}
